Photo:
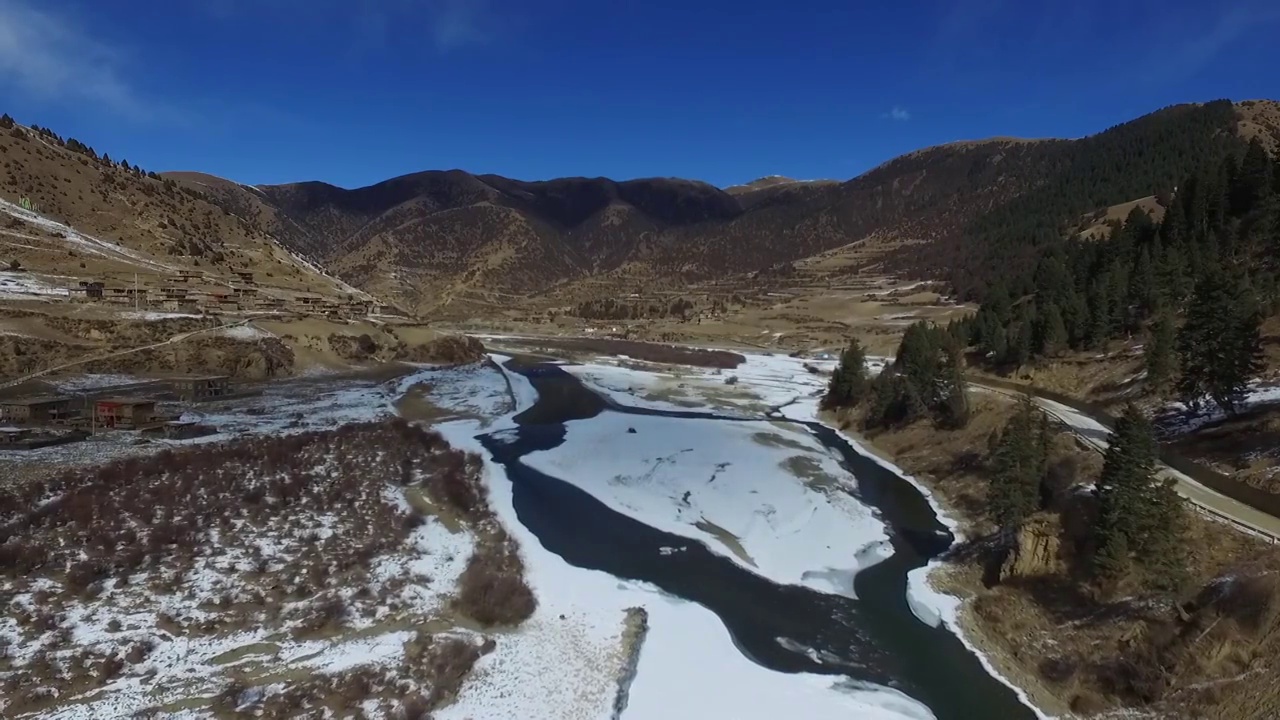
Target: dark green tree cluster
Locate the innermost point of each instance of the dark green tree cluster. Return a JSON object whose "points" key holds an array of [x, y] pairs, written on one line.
{"points": [[926, 378], [1220, 344], [1019, 464], [6, 122], [848, 385], [1061, 181], [1212, 258], [1139, 522]]}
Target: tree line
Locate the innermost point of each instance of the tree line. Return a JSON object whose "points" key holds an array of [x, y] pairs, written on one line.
{"points": [[74, 145], [1138, 521], [926, 379], [1034, 193], [1196, 286]]}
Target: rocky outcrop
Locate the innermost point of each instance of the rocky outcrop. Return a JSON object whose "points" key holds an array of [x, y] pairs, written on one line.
{"points": [[1038, 551]]}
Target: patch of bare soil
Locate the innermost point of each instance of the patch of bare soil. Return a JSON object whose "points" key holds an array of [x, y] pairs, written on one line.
{"points": [[1207, 651]]}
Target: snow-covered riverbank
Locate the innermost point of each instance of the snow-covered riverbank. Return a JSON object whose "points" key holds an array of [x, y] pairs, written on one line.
{"points": [[770, 381], [689, 666]]}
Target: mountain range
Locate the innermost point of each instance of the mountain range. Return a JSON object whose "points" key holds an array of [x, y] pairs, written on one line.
{"points": [[958, 212]]}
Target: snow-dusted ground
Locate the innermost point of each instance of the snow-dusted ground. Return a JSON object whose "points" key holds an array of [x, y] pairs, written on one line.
{"points": [[245, 332], [689, 668], [478, 390], [25, 284], [74, 240], [150, 315], [400, 588], [91, 381], [1178, 419]]}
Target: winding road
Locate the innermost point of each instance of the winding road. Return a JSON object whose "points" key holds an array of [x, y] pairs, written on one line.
{"points": [[1095, 434]]}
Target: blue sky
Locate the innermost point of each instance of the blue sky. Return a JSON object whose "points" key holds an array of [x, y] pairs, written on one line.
{"points": [[356, 91]]}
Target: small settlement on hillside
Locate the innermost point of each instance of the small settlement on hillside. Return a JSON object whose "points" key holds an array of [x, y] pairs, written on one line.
{"points": [[191, 291], [37, 421]]}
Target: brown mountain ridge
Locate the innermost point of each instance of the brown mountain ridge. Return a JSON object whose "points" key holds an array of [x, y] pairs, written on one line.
{"points": [[420, 238]]}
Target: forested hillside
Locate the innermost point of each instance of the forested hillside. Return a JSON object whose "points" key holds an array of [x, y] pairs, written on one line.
{"points": [[1063, 180], [1196, 285]]}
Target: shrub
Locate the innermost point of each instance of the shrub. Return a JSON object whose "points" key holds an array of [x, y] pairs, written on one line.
{"points": [[492, 590]]}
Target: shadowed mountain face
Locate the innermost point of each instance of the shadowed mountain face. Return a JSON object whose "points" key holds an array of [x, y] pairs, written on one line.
{"points": [[422, 236]]}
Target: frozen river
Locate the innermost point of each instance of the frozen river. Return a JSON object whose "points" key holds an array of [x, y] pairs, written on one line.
{"points": [[798, 544]]}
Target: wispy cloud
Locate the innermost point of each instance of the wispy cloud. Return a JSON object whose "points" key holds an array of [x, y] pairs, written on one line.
{"points": [[457, 23], [448, 25], [897, 113], [50, 58], [1227, 28]]}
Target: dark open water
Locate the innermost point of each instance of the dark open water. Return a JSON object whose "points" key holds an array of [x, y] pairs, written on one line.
{"points": [[873, 639]]}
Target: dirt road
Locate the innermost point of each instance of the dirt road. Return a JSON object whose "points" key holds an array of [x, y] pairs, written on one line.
{"points": [[1094, 433]]}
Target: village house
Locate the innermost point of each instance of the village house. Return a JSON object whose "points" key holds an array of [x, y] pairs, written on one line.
{"points": [[124, 413], [86, 291], [194, 388], [245, 276], [38, 410]]}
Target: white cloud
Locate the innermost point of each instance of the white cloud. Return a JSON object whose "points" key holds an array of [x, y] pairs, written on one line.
{"points": [[897, 113], [49, 58]]}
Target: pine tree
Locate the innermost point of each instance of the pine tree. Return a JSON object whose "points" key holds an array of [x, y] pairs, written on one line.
{"points": [[918, 362], [1253, 181], [953, 405], [6, 122], [1139, 518], [1021, 342], [848, 384], [1016, 470], [1158, 355], [1220, 343]]}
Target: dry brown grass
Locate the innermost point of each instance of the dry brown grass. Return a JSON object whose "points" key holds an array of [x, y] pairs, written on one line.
{"points": [[1202, 653], [165, 222]]}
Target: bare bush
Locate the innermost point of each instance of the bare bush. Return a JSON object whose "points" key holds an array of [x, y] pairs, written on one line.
{"points": [[492, 590], [444, 661]]}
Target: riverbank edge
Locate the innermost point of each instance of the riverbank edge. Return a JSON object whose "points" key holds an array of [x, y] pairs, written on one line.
{"points": [[960, 621]]}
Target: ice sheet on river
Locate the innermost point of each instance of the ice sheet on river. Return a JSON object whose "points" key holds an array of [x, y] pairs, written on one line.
{"points": [[563, 663], [771, 489]]}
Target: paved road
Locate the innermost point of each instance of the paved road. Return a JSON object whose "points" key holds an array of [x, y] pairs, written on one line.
{"points": [[1095, 434], [115, 353]]}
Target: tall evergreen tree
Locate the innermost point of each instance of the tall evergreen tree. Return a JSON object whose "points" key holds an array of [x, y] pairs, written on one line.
{"points": [[1053, 336], [848, 384], [1220, 343], [1253, 181], [1139, 515], [1017, 465], [1158, 354], [953, 403]]}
